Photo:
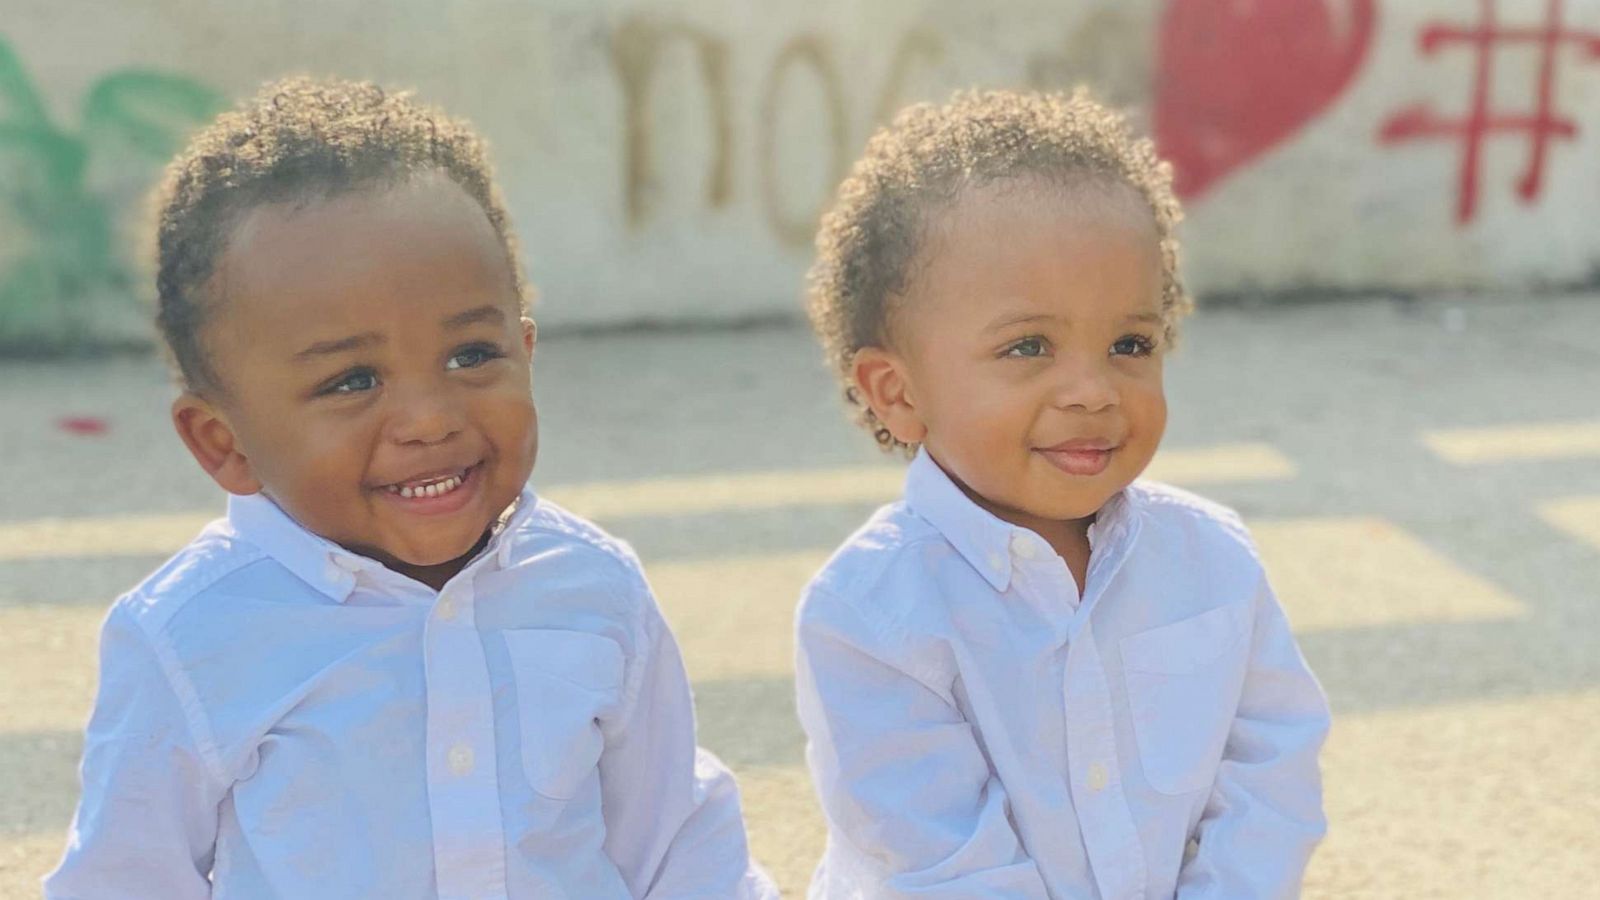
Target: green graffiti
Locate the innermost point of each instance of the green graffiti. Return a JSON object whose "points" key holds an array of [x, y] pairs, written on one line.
{"points": [[69, 270]]}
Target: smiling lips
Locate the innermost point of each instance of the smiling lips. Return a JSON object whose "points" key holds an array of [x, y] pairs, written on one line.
{"points": [[430, 486], [1080, 457]]}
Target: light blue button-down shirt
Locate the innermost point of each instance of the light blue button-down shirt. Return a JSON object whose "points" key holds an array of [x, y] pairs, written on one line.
{"points": [[278, 717], [976, 729]]}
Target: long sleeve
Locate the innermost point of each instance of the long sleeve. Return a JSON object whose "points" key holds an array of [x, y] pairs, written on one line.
{"points": [[1264, 816], [673, 824], [146, 821], [913, 808]]}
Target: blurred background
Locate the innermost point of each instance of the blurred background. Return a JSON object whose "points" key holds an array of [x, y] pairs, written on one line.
{"points": [[1392, 375]]}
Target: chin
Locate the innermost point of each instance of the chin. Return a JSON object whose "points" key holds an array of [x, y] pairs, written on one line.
{"points": [[1071, 508], [437, 554]]}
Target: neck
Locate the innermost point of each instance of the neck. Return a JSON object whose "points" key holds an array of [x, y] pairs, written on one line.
{"points": [[436, 576], [1069, 538]]}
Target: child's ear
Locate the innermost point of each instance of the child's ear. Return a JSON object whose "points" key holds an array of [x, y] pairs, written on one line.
{"points": [[530, 334], [213, 444], [881, 381]]}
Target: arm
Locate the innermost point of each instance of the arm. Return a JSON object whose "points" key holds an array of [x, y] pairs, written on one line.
{"points": [[913, 808], [147, 818], [673, 825], [1265, 816]]}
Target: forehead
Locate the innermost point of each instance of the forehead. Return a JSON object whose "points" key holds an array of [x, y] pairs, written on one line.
{"points": [[420, 242], [1086, 248], [1008, 208]]}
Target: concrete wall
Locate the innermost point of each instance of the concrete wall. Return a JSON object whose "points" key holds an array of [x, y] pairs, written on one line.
{"points": [[667, 160]]}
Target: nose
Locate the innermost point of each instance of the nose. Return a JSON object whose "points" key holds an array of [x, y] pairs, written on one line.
{"points": [[1085, 384], [424, 414]]}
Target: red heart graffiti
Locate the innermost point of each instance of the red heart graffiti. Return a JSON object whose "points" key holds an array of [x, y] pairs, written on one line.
{"points": [[1236, 77]]}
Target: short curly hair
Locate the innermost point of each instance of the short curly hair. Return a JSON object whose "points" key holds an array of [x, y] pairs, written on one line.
{"points": [[922, 163], [298, 139]]}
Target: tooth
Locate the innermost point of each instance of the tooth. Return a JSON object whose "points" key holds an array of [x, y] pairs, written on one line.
{"points": [[405, 491], [431, 490]]}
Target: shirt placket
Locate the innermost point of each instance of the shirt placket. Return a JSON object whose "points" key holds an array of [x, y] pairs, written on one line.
{"points": [[1109, 833], [463, 783]]}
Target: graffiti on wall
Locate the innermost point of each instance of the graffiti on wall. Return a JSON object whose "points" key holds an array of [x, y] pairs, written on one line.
{"points": [[1540, 126], [1236, 79], [68, 252], [804, 60], [1228, 82], [1104, 48]]}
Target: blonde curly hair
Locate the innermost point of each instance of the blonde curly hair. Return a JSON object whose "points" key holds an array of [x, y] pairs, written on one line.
{"points": [[922, 163]]}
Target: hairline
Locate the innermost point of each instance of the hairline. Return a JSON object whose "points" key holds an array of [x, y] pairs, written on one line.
{"points": [[239, 204]]}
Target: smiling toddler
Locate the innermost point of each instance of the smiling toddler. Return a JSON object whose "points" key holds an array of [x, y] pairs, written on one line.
{"points": [[392, 670], [1036, 676]]}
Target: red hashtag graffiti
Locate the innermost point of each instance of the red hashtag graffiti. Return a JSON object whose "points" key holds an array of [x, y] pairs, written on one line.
{"points": [[1419, 122]]}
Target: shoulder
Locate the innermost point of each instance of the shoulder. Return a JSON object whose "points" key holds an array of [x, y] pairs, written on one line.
{"points": [[563, 549], [1182, 521], [881, 574], [551, 528], [201, 570], [887, 594]]}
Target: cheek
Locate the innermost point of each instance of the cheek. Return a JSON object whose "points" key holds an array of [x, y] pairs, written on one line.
{"points": [[291, 444], [329, 454], [1146, 404], [511, 421]]}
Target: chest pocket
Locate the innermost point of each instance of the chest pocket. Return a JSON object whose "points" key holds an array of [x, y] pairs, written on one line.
{"points": [[566, 680], [1184, 682]]}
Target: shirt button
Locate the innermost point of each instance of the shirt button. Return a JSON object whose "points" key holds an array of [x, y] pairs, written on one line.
{"points": [[460, 759], [1191, 850], [445, 609], [997, 562], [1098, 777], [1023, 546]]}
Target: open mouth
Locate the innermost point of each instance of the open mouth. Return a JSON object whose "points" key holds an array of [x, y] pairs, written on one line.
{"points": [[437, 484]]}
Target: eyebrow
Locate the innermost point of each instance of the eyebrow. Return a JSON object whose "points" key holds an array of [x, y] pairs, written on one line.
{"points": [[1006, 321], [340, 345], [485, 313], [1010, 319]]}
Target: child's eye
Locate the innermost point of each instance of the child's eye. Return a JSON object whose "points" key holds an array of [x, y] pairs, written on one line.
{"points": [[473, 356], [354, 381], [1027, 348], [1133, 345]]}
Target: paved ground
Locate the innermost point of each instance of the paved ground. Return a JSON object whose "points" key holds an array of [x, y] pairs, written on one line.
{"points": [[1424, 480]]}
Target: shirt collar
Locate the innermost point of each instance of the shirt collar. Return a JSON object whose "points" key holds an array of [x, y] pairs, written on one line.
{"points": [[987, 542], [330, 568]]}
